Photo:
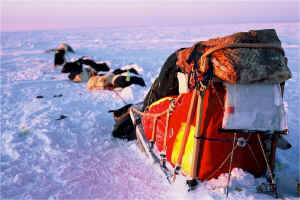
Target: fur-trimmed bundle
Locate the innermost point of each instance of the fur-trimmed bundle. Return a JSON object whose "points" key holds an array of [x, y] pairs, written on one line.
{"points": [[262, 61]]}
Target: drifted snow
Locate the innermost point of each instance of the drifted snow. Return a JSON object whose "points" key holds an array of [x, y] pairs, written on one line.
{"points": [[76, 157]]}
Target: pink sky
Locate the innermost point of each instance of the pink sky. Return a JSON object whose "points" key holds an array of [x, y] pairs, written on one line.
{"points": [[57, 14]]}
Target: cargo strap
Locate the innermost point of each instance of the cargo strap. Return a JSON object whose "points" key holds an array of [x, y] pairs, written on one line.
{"points": [[198, 133], [119, 96], [186, 133], [273, 183], [213, 139], [196, 107], [230, 163]]}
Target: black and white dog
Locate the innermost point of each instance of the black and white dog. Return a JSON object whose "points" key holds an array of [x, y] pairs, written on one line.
{"points": [[96, 66], [76, 69], [60, 53], [123, 127]]}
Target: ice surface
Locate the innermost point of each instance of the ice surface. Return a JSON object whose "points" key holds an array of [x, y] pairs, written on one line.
{"points": [[76, 158]]}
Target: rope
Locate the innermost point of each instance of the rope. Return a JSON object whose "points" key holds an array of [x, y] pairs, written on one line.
{"points": [[144, 114], [154, 129], [253, 155], [265, 157], [230, 164], [222, 164], [118, 95], [252, 152]]}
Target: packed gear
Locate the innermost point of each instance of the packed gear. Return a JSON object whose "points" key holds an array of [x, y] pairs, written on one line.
{"points": [[230, 115]]}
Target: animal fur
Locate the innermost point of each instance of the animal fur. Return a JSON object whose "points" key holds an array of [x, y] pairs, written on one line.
{"points": [[65, 47], [60, 52], [123, 127], [78, 73], [96, 66], [242, 65]]}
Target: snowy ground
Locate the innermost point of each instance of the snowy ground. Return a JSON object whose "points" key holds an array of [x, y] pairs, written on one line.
{"points": [[76, 157]]}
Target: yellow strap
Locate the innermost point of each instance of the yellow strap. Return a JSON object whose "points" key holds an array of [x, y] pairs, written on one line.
{"points": [[190, 116], [198, 131]]}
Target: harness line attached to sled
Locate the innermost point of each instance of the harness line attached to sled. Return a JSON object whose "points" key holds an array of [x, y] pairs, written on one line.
{"points": [[118, 95]]}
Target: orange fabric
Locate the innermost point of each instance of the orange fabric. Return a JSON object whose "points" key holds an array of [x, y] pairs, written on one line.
{"points": [[213, 153]]}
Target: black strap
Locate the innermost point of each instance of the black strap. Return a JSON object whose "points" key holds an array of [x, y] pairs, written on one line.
{"points": [[213, 139], [246, 131]]}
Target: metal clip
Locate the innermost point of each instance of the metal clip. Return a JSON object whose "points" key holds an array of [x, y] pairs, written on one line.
{"points": [[241, 142]]}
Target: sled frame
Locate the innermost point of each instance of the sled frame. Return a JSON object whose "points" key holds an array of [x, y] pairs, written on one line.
{"points": [[148, 148]]}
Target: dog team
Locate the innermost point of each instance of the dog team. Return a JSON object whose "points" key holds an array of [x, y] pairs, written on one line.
{"points": [[112, 80]]}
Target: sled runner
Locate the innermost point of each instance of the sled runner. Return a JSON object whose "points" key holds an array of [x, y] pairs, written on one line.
{"points": [[230, 116]]}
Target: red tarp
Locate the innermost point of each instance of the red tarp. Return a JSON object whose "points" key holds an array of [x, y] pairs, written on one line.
{"points": [[215, 148]]}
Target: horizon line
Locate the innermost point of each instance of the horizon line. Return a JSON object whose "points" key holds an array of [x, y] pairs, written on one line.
{"points": [[137, 26]]}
